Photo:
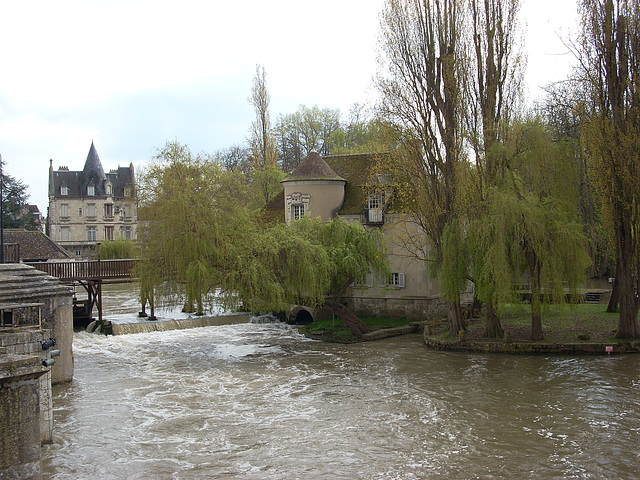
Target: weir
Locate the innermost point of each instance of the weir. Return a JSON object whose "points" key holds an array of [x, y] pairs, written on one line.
{"points": [[179, 324]]}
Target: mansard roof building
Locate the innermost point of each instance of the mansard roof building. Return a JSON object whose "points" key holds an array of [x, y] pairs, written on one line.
{"points": [[90, 206]]}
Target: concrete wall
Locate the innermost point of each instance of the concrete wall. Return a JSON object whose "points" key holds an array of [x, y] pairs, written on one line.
{"points": [[19, 284]]}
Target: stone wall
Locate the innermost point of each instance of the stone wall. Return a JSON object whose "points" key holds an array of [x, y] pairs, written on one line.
{"points": [[57, 317], [26, 413], [19, 284], [411, 308]]}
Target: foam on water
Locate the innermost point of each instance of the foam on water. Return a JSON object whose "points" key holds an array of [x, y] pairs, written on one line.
{"points": [[260, 401]]}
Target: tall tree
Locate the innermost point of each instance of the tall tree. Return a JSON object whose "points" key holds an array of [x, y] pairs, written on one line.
{"points": [[609, 71], [421, 94], [492, 92], [191, 214], [263, 146], [531, 225], [303, 131], [15, 207]]}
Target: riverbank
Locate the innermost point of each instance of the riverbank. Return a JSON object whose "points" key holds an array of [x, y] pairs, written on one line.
{"points": [[583, 329]]}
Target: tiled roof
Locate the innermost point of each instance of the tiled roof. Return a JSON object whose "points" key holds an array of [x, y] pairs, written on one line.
{"points": [[313, 167], [273, 212], [34, 245], [359, 171], [93, 173]]}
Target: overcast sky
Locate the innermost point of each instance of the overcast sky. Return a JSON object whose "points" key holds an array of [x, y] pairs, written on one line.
{"points": [[131, 74]]}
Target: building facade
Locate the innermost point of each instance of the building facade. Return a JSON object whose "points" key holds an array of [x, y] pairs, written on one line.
{"points": [[90, 206], [350, 187]]}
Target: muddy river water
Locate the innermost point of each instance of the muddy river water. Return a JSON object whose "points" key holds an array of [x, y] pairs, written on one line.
{"points": [[260, 401]]}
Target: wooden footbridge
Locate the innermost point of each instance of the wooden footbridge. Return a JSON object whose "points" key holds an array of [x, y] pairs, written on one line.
{"points": [[91, 274]]}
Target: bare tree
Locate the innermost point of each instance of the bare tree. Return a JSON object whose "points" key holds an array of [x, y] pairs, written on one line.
{"points": [[264, 157], [421, 94], [262, 140], [609, 71], [493, 89]]}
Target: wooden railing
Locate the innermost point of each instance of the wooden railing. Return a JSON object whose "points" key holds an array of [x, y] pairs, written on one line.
{"points": [[87, 270]]}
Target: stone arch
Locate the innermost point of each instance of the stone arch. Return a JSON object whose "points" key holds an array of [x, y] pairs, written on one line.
{"points": [[301, 316]]}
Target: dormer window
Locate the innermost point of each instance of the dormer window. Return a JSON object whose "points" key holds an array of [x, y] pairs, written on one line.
{"points": [[109, 189], [91, 191], [374, 208], [64, 190]]}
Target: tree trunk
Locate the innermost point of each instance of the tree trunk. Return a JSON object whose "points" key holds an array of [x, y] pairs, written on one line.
{"points": [[492, 326], [536, 292], [350, 319], [614, 301], [455, 318], [628, 327]]}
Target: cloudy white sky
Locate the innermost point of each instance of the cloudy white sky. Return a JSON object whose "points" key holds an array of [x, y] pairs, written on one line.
{"points": [[132, 74]]}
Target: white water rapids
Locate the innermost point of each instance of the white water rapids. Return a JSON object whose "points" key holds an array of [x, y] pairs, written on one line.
{"points": [[260, 401]]}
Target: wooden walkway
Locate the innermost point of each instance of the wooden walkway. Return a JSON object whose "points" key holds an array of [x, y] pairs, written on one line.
{"points": [[108, 271], [91, 274]]}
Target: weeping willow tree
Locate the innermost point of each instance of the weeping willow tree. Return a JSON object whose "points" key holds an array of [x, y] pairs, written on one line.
{"points": [[199, 240], [493, 95], [118, 248], [531, 227], [191, 214]]}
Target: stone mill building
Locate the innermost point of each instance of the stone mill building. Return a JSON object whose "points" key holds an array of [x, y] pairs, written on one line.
{"points": [[90, 206]]}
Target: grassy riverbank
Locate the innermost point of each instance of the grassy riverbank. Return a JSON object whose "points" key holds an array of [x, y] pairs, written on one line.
{"points": [[560, 323], [335, 330], [587, 323]]}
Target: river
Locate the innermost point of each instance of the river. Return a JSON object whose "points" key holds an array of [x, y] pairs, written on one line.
{"points": [[260, 401]]}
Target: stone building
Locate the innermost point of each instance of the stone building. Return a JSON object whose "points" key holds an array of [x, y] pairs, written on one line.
{"points": [[34, 308], [351, 187], [90, 206]]}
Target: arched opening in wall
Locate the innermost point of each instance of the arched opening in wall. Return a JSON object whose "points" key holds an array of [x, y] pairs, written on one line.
{"points": [[303, 317]]}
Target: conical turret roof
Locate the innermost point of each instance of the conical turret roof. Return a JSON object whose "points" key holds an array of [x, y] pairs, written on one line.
{"points": [[313, 167], [93, 173]]}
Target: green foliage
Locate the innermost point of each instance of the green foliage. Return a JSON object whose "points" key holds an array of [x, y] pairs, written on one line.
{"points": [[530, 229], [338, 331], [15, 211], [454, 262], [118, 248], [191, 211], [199, 239]]}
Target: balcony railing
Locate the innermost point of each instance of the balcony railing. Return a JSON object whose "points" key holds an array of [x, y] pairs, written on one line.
{"points": [[88, 270]]}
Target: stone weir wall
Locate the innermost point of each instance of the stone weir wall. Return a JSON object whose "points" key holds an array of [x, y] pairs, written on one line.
{"points": [[26, 413], [163, 325]]}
